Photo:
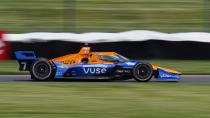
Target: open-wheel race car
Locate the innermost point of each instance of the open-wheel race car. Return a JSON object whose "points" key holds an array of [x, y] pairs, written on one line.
{"points": [[91, 65]]}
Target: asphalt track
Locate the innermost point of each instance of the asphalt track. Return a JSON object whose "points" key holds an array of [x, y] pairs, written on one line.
{"points": [[184, 79]]}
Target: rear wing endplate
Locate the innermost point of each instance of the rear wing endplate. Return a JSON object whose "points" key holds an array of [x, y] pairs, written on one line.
{"points": [[25, 59]]}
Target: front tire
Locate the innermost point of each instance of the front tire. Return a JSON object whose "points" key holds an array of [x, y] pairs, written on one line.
{"points": [[142, 72], [41, 69]]}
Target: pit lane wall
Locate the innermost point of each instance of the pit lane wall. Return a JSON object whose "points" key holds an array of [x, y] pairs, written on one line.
{"points": [[137, 44]]}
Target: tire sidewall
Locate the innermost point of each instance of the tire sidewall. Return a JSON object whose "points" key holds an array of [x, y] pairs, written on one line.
{"points": [[33, 73], [137, 78]]}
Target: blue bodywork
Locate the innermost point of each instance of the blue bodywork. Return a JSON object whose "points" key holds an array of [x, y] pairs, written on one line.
{"points": [[25, 55], [129, 63], [64, 70], [102, 69], [166, 75]]}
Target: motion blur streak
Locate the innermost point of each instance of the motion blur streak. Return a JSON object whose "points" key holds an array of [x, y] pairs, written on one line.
{"points": [[97, 37]]}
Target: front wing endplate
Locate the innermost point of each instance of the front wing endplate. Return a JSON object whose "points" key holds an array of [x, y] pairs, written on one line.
{"points": [[167, 75]]}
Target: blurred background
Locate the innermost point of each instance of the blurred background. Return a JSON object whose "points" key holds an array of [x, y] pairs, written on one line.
{"points": [[82, 16], [26, 99], [20, 16]]}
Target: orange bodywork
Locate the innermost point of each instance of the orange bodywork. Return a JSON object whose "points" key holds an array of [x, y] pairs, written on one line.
{"points": [[73, 59], [168, 70], [94, 57]]}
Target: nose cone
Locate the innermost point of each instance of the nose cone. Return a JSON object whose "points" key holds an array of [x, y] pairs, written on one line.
{"points": [[165, 69]]}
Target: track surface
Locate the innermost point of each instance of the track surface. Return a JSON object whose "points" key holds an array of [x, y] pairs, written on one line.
{"points": [[184, 79]]}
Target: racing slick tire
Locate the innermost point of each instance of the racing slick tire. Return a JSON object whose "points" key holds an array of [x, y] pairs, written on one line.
{"points": [[142, 72], [41, 70]]}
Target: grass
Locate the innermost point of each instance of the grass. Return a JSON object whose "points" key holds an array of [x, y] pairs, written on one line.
{"points": [[10, 67], [187, 67], [100, 100], [19, 16]]}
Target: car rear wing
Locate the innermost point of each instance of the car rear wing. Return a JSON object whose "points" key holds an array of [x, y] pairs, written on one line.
{"points": [[25, 59]]}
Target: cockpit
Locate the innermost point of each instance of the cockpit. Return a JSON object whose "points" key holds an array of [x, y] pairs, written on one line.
{"points": [[114, 58]]}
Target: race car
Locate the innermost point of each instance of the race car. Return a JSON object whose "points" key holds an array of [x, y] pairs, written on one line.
{"points": [[91, 65]]}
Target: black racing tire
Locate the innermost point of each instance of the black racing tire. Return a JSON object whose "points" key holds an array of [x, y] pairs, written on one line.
{"points": [[142, 72], [41, 70]]}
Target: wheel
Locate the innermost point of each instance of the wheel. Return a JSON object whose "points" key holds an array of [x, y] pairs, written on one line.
{"points": [[41, 69], [142, 71]]}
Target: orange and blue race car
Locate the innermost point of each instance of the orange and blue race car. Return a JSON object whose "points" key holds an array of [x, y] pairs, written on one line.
{"points": [[91, 65]]}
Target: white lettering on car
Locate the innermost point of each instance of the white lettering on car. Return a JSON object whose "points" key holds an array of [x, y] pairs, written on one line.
{"points": [[103, 70], [86, 71], [98, 70], [166, 76], [24, 65], [93, 70]]}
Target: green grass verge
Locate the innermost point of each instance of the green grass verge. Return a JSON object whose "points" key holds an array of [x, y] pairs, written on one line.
{"points": [[91, 100], [188, 67], [20, 16], [10, 67]]}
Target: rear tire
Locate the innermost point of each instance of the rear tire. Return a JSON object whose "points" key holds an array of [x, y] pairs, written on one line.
{"points": [[142, 72], [41, 70]]}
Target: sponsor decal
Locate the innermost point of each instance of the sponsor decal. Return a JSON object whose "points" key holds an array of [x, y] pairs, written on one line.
{"points": [[63, 66], [165, 76], [100, 66], [59, 73], [68, 62], [92, 70], [130, 63], [123, 71]]}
